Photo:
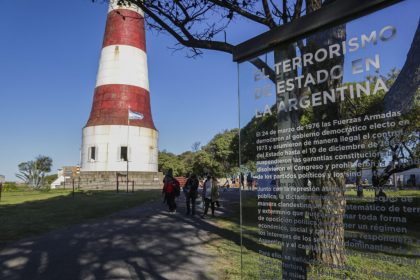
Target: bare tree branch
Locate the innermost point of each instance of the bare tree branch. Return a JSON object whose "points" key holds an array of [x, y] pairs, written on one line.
{"points": [[267, 12], [242, 12], [195, 23]]}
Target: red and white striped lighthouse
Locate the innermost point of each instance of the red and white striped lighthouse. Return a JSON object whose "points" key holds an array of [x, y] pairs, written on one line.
{"points": [[122, 84]]}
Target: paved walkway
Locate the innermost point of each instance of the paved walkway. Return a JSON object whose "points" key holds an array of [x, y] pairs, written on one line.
{"points": [[145, 242]]}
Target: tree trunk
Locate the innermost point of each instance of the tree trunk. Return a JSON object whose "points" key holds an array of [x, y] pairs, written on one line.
{"points": [[294, 257], [402, 94], [327, 236]]}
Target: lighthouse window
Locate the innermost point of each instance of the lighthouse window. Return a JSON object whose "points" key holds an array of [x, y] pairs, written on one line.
{"points": [[92, 153], [124, 153]]}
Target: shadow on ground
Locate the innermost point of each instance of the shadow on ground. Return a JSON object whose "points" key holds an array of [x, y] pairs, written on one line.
{"points": [[145, 242]]}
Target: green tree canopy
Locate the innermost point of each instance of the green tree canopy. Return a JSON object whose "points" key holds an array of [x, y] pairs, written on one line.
{"points": [[33, 172]]}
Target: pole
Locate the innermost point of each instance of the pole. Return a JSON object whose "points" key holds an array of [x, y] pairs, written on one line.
{"points": [[239, 162], [118, 182], [128, 136], [1, 189], [72, 182]]}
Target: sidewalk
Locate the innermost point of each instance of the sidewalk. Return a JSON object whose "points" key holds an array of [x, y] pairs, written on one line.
{"points": [[145, 242]]}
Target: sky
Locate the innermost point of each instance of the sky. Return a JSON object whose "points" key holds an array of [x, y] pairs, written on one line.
{"points": [[49, 57], [392, 54]]}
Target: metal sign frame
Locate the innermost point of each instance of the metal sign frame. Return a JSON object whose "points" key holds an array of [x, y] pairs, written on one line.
{"points": [[335, 13]]}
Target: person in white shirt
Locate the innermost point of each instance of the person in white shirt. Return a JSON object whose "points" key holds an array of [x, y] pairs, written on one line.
{"points": [[210, 194]]}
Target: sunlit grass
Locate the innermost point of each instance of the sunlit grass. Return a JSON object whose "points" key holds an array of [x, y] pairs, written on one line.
{"points": [[28, 213], [363, 265]]}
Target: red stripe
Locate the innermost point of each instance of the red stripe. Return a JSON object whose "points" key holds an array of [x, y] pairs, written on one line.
{"points": [[111, 103], [125, 27]]}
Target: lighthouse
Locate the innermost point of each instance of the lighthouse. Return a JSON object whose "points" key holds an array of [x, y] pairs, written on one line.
{"points": [[112, 140]]}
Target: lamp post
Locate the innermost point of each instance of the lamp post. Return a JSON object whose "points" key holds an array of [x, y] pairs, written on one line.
{"points": [[2, 180]]}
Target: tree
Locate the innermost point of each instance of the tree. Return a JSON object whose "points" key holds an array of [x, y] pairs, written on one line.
{"points": [[199, 24], [195, 147], [220, 150], [49, 179], [33, 172], [203, 164], [170, 161]]}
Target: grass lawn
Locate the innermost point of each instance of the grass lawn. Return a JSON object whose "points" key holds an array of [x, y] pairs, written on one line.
{"points": [[228, 250], [361, 265], [25, 213]]}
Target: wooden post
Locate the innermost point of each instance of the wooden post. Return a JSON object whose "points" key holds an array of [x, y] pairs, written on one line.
{"points": [[118, 182], [132, 187], [1, 189], [72, 182]]}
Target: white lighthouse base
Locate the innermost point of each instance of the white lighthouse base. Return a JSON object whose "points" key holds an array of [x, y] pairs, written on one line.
{"points": [[107, 141]]}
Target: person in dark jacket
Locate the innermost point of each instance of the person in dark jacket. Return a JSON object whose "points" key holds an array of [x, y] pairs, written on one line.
{"points": [[169, 185], [249, 180], [190, 191]]}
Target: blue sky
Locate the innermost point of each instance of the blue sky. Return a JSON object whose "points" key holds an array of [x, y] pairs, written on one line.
{"points": [[403, 16], [49, 56]]}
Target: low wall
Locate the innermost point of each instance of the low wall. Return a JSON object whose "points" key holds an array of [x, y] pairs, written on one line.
{"points": [[98, 180]]}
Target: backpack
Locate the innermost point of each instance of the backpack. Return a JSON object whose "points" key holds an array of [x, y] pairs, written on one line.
{"points": [[168, 187], [187, 188], [176, 188]]}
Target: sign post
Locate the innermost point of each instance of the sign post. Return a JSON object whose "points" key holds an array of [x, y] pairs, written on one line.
{"points": [[327, 107]]}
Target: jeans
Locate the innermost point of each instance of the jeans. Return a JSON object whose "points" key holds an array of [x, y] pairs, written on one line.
{"points": [[208, 202], [190, 199], [170, 200]]}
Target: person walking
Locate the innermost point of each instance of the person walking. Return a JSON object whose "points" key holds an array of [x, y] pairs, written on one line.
{"points": [[249, 180], [210, 194], [190, 191], [170, 186]]}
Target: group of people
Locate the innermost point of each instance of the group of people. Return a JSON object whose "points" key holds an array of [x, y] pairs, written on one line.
{"points": [[249, 180], [210, 193]]}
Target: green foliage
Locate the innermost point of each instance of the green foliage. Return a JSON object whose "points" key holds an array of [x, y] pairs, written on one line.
{"points": [[33, 172], [217, 157], [169, 160], [10, 187], [249, 138], [203, 163], [221, 149], [251, 166], [50, 178]]}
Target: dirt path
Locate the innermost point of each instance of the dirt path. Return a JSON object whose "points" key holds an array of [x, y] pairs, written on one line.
{"points": [[145, 242]]}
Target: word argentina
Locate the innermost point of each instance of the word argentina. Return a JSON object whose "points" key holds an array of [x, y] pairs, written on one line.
{"points": [[332, 95]]}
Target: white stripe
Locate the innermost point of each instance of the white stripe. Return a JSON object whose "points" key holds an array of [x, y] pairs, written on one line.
{"points": [[108, 139], [121, 64], [113, 6]]}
